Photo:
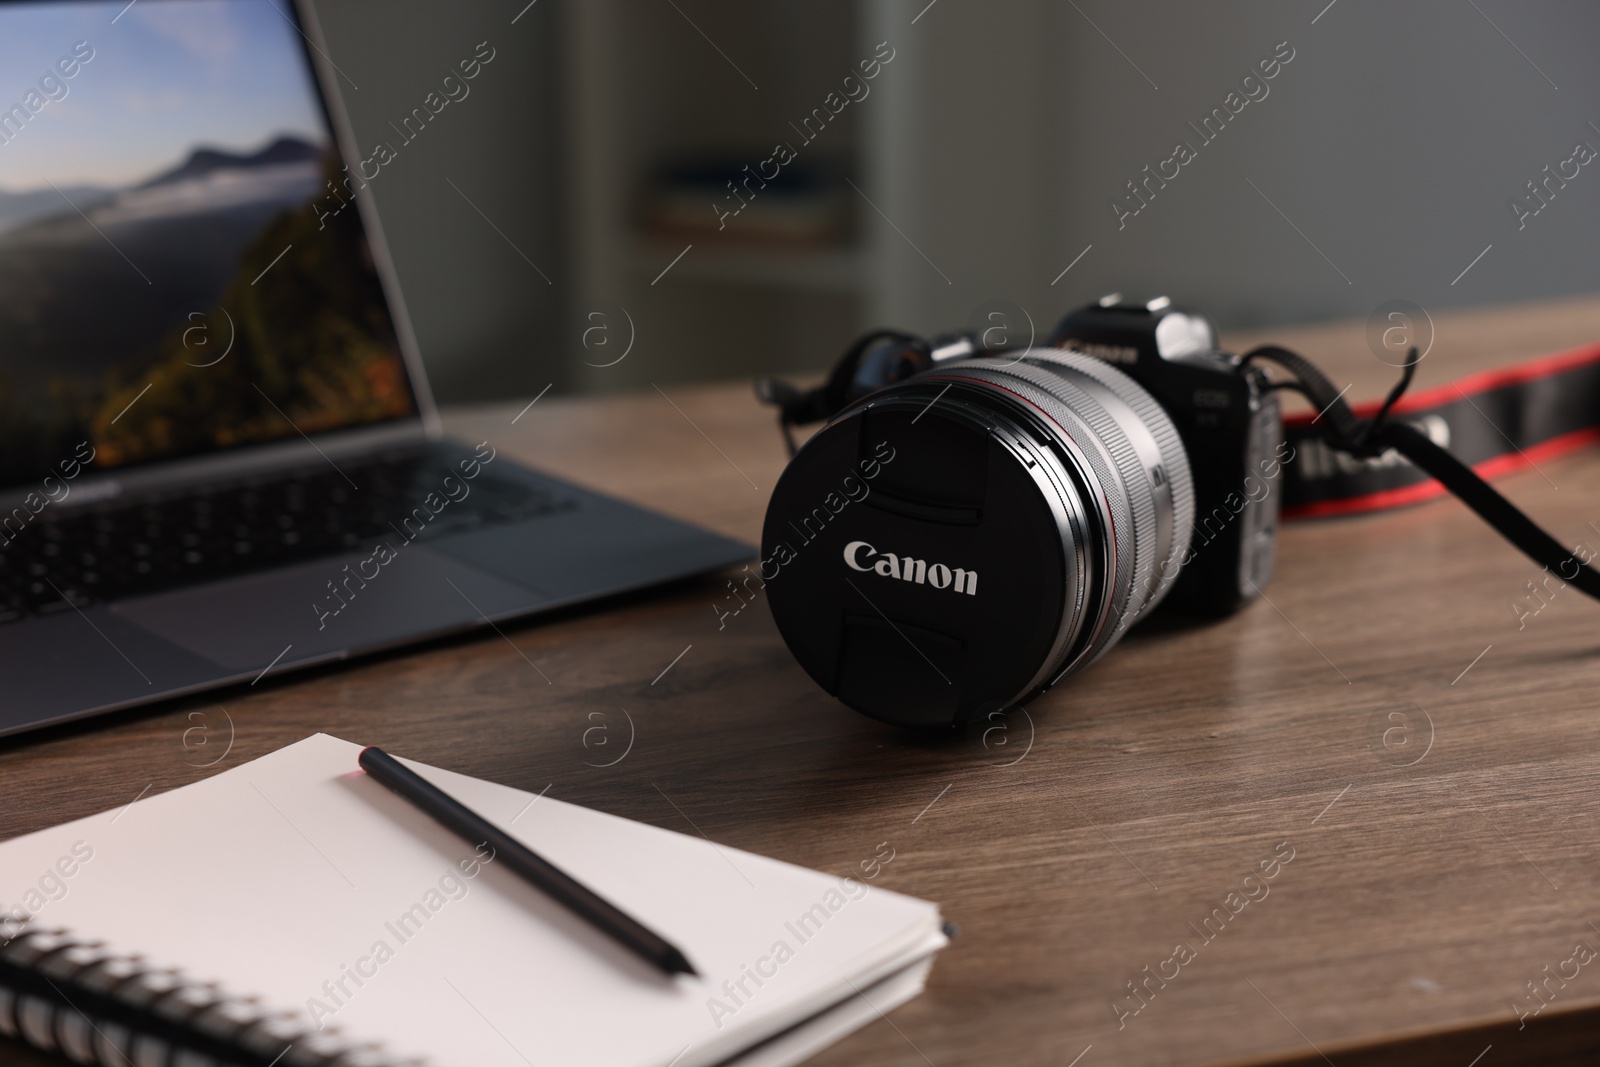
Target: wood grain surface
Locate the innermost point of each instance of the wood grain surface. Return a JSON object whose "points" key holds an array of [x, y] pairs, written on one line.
{"points": [[1435, 871]]}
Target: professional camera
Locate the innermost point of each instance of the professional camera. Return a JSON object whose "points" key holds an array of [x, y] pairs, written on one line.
{"points": [[976, 522]]}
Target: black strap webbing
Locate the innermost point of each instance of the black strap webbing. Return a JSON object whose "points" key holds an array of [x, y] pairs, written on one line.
{"points": [[1368, 438], [1495, 421], [1493, 508]]}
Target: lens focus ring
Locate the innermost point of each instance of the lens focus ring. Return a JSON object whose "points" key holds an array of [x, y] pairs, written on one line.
{"points": [[1174, 457], [1129, 436], [1116, 436]]}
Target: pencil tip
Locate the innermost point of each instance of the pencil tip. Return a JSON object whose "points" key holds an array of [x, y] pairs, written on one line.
{"points": [[677, 963]]}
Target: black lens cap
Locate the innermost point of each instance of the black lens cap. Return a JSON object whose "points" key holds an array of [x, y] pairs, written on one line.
{"points": [[916, 563]]}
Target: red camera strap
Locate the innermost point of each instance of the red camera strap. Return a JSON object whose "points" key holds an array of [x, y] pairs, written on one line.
{"points": [[1494, 422]]}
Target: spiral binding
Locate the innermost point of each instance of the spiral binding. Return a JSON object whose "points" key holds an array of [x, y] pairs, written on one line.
{"points": [[72, 997]]}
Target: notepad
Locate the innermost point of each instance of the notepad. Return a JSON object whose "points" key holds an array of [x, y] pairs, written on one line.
{"points": [[299, 881]]}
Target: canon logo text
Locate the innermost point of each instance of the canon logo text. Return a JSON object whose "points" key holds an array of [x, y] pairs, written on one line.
{"points": [[860, 556]]}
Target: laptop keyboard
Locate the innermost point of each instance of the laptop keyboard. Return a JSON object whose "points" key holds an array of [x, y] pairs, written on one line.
{"points": [[117, 550]]}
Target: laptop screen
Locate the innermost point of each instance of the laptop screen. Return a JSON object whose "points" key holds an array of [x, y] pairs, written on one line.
{"points": [[182, 268]]}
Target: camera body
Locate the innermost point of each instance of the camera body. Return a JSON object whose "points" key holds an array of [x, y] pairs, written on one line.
{"points": [[1232, 429]]}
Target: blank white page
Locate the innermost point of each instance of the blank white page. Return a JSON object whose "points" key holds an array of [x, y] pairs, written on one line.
{"points": [[284, 877]]}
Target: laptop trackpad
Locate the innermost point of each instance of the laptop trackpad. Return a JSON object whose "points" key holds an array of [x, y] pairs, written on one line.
{"points": [[293, 613]]}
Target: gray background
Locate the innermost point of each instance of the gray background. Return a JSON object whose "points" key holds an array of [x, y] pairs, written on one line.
{"points": [[480, 311], [995, 142]]}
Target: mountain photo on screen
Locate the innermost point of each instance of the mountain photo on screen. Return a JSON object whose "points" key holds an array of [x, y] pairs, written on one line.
{"points": [[166, 287]]}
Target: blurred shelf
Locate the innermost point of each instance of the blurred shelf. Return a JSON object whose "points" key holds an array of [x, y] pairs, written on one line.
{"points": [[828, 270]]}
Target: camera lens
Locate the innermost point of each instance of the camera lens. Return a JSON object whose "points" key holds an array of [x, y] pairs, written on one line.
{"points": [[956, 543]]}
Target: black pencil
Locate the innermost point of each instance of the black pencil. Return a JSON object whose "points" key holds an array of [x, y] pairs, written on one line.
{"points": [[535, 869]]}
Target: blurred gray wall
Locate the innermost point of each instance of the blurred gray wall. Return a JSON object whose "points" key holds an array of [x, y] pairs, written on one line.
{"points": [[1388, 148], [482, 311], [1379, 165]]}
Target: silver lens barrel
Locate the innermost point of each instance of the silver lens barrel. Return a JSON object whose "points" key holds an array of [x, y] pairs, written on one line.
{"points": [[1118, 449]]}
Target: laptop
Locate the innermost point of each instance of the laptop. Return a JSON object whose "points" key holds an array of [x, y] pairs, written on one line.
{"points": [[219, 459]]}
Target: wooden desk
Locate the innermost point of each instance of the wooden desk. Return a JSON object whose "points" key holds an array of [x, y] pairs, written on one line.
{"points": [[1079, 846]]}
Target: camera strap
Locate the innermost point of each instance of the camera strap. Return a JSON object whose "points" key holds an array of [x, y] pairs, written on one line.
{"points": [[900, 356], [1497, 422], [1347, 460]]}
